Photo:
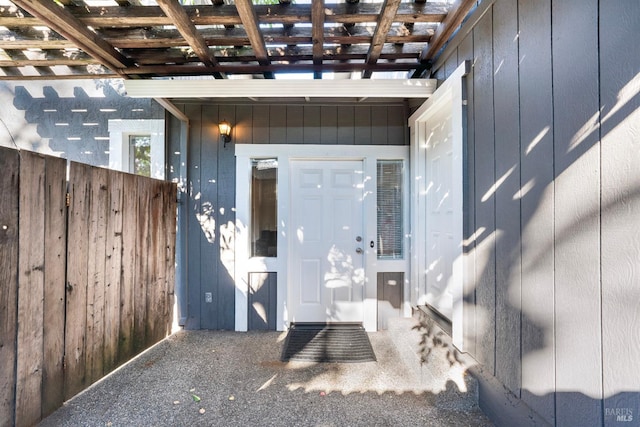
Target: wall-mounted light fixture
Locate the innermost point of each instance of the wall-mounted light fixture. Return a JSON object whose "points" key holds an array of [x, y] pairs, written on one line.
{"points": [[225, 131]]}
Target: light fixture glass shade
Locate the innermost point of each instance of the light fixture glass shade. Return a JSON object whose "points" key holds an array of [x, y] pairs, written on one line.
{"points": [[225, 128]]}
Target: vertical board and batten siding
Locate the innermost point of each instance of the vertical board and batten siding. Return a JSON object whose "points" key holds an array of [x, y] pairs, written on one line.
{"points": [[536, 197], [211, 175], [194, 220], [507, 207], [578, 321], [227, 227], [553, 204], [209, 217], [69, 310], [620, 203], [262, 301], [390, 297], [485, 214]]}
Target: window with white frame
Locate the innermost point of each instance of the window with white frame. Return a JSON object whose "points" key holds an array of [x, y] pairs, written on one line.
{"points": [[137, 146], [264, 207], [140, 154]]}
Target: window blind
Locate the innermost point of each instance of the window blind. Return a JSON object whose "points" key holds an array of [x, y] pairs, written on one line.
{"points": [[390, 209]]}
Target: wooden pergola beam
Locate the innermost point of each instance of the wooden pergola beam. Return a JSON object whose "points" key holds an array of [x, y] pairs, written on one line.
{"points": [[317, 33], [144, 16], [250, 23], [454, 18], [187, 29], [385, 20], [63, 22]]}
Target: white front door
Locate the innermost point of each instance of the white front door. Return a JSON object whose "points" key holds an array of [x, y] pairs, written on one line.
{"points": [[326, 280], [441, 248]]}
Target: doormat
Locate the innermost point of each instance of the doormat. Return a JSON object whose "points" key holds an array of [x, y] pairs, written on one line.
{"points": [[328, 343]]}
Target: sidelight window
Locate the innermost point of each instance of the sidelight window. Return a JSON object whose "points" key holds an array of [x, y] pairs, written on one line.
{"points": [[390, 209], [264, 207]]}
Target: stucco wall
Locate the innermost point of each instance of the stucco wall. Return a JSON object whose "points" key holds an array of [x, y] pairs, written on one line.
{"points": [[553, 208], [67, 118]]}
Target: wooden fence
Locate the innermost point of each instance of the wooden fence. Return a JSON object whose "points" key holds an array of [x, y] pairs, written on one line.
{"points": [[86, 277]]}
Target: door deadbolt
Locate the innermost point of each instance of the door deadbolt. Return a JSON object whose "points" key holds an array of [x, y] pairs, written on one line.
{"points": [[358, 239]]}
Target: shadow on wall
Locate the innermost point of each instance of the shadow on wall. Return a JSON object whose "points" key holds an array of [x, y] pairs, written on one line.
{"points": [[74, 127], [557, 306]]}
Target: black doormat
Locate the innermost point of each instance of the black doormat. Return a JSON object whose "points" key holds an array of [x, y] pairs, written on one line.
{"points": [[330, 343]]}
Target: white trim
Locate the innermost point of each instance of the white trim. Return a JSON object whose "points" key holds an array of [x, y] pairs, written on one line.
{"points": [[285, 153], [119, 132], [212, 88], [449, 95]]}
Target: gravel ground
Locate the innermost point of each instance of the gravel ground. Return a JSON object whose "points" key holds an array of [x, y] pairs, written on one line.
{"points": [[214, 378]]}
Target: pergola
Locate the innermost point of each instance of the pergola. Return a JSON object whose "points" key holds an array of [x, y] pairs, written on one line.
{"points": [[142, 39]]}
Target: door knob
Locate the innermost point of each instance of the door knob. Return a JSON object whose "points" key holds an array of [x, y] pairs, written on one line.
{"points": [[359, 250]]}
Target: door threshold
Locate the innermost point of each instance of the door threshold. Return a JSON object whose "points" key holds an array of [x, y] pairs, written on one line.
{"points": [[444, 323]]}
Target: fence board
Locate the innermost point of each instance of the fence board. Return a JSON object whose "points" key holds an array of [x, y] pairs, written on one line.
{"points": [[9, 202], [129, 248], [96, 275], [30, 357], [155, 292], [142, 269], [170, 253], [113, 270], [118, 233], [76, 308], [54, 288]]}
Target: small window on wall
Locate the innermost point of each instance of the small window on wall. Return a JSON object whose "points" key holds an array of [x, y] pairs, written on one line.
{"points": [[140, 154], [137, 146], [264, 208], [390, 209]]}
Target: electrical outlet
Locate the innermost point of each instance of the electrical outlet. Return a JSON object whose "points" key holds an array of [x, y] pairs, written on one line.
{"points": [[208, 297]]}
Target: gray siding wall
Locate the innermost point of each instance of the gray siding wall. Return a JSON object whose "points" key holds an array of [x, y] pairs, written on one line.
{"points": [[206, 173], [553, 196]]}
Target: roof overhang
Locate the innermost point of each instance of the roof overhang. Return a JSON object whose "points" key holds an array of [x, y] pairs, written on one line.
{"points": [[392, 88]]}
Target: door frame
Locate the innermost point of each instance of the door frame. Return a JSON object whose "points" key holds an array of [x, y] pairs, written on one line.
{"points": [[244, 264], [449, 95]]}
